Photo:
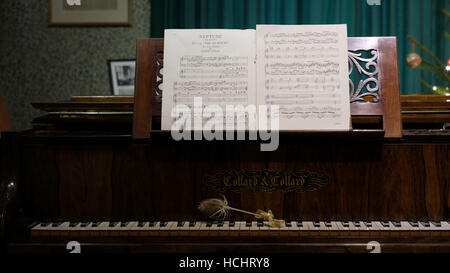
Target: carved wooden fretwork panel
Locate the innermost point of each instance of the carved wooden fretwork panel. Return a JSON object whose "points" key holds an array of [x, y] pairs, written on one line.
{"points": [[159, 59], [365, 62]]}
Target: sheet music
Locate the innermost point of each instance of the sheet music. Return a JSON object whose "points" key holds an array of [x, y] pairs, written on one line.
{"points": [[214, 64], [304, 70]]}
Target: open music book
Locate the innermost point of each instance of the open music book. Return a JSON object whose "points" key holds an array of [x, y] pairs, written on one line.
{"points": [[302, 69]]}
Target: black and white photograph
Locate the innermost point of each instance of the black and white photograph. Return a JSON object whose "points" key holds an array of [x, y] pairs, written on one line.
{"points": [[90, 12], [122, 74]]}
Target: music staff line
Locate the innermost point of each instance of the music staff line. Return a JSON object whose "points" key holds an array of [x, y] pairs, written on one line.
{"points": [[302, 96], [216, 101], [302, 87], [297, 72], [284, 80], [301, 41], [301, 49], [288, 115], [189, 89], [295, 108], [300, 101], [227, 76], [302, 34], [212, 71], [299, 65], [211, 83], [199, 58], [211, 64], [299, 56]]}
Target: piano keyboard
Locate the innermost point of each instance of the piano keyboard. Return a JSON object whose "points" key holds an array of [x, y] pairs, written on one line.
{"points": [[240, 228]]}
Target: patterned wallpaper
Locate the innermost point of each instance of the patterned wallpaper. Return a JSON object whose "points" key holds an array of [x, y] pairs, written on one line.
{"points": [[41, 63]]}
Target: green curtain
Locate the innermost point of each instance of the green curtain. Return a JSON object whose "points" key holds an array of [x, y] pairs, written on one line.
{"points": [[422, 19]]}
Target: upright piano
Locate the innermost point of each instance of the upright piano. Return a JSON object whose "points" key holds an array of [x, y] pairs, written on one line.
{"points": [[99, 171]]}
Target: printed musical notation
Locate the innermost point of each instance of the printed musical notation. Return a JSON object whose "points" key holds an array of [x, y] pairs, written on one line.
{"points": [[214, 78], [301, 69], [323, 33], [325, 68], [211, 69]]}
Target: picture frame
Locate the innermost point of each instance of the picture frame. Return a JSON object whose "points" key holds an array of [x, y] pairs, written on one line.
{"points": [[90, 12], [122, 76]]}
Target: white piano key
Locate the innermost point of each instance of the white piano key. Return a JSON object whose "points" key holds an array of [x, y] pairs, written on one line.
{"points": [[254, 227], [194, 231], [445, 225], [304, 227], [264, 230], [184, 227], [323, 230], [234, 230], [425, 226], [334, 229], [405, 226], [244, 230], [293, 228], [203, 228], [341, 227], [224, 229], [312, 230], [352, 227], [364, 229]]}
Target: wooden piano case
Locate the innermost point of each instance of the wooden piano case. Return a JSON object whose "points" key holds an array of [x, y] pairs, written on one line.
{"points": [[371, 173]]}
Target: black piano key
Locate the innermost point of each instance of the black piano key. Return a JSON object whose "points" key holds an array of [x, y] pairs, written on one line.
{"points": [[385, 224], [328, 224], [84, 224], [368, 224], [346, 224], [180, 223], [96, 224], [299, 224], [192, 224], [162, 224], [426, 224], [232, 223], [151, 224], [73, 224], [220, 224], [141, 224], [46, 224], [248, 224], [414, 224], [124, 224], [288, 223], [57, 224], [113, 224], [209, 224], [316, 224], [357, 224], [436, 224], [260, 224], [396, 224]]}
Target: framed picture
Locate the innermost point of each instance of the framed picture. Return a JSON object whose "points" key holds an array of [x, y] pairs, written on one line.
{"points": [[90, 12], [122, 75]]}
